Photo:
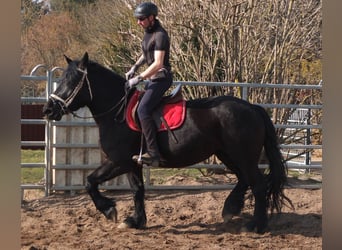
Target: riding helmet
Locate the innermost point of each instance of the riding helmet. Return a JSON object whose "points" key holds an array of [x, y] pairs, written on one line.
{"points": [[146, 9]]}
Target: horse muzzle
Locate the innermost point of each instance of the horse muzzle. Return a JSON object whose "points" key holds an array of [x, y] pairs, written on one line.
{"points": [[53, 110]]}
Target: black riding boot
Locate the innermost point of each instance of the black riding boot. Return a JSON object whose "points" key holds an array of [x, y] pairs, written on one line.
{"points": [[152, 156]]}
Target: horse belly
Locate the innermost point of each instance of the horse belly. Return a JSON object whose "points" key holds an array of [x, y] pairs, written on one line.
{"points": [[191, 148]]}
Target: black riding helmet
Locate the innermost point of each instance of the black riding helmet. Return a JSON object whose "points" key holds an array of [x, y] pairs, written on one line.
{"points": [[146, 9]]}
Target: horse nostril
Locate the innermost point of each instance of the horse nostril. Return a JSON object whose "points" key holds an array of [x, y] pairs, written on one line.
{"points": [[46, 110]]}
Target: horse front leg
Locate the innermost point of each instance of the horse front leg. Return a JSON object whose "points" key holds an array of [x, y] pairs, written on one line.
{"points": [[138, 219], [106, 171]]}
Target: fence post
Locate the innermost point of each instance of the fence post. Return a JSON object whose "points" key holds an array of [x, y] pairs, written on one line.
{"points": [[245, 93], [308, 139], [48, 139]]}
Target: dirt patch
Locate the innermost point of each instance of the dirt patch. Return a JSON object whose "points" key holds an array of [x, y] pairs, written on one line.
{"points": [[176, 220]]}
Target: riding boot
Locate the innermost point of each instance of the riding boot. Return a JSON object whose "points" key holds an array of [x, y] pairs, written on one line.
{"points": [[152, 156]]}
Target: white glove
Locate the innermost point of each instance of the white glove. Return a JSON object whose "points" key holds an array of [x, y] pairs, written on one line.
{"points": [[133, 82], [131, 72]]}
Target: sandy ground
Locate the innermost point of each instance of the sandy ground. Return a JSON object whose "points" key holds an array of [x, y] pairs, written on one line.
{"points": [[176, 220]]}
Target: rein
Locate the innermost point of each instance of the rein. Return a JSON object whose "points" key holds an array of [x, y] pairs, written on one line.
{"points": [[65, 103], [122, 104]]}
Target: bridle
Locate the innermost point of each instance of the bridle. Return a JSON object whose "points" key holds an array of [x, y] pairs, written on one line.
{"points": [[64, 104]]}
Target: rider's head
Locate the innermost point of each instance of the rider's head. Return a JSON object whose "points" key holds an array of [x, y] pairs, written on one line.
{"points": [[146, 14], [145, 10]]}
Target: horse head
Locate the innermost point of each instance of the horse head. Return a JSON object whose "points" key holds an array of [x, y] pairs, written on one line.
{"points": [[73, 91]]}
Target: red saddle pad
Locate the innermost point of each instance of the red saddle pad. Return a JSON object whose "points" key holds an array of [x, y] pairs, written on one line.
{"points": [[173, 113]]}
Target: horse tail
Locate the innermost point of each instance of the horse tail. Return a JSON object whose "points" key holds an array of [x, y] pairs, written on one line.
{"points": [[277, 175]]}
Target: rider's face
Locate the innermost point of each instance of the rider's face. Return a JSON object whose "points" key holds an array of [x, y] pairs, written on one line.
{"points": [[145, 22]]}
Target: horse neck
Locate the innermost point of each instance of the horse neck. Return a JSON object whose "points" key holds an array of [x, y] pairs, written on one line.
{"points": [[107, 91]]}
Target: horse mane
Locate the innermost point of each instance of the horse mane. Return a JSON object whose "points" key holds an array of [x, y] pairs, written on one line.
{"points": [[93, 66], [104, 71]]}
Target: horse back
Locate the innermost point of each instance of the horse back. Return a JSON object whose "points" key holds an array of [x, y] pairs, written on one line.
{"points": [[224, 113]]}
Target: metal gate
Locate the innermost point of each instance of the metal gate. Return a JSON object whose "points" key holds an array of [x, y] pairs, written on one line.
{"points": [[72, 151]]}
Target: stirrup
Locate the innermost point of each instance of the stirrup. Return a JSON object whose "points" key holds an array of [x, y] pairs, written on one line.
{"points": [[146, 159]]}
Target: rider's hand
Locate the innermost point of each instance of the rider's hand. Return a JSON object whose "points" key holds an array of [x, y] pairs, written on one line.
{"points": [[133, 81], [131, 72]]}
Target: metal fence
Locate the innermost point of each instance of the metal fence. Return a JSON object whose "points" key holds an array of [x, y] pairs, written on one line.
{"points": [[51, 165]]}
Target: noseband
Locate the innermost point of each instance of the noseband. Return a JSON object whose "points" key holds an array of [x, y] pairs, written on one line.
{"points": [[64, 104]]}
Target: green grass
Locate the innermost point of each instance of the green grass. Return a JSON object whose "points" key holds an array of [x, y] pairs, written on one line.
{"points": [[161, 175], [32, 175], [32, 156], [192, 172]]}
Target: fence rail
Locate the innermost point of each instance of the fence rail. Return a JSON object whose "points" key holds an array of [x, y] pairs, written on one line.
{"points": [[53, 168]]}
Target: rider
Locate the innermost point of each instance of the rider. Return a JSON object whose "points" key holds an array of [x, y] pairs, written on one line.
{"points": [[156, 51]]}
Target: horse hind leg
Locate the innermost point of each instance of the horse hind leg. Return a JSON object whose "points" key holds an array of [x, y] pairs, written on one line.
{"points": [[138, 219], [234, 203], [259, 190], [248, 175]]}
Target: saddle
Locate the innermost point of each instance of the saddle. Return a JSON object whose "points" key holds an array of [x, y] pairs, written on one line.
{"points": [[169, 114]]}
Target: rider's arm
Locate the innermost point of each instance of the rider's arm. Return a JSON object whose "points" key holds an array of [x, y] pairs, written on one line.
{"points": [[140, 61], [155, 66]]}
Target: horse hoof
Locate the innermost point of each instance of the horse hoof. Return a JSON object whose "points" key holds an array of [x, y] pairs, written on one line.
{"points": [[255, 230], [252, 227], [123, 225], [111, 214], [227, 218]]}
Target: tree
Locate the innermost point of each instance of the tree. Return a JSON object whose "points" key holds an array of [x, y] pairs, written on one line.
{"points": [[30, 12], [247, 41], [52, 36], [256, 41], [264, 41], [69, 5]]}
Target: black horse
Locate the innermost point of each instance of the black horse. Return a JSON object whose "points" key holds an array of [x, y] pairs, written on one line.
{"points": [[230, 128]]}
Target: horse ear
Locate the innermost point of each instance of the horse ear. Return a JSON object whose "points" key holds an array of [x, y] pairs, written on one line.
{"points": [[84, 61], [67, 59]]}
